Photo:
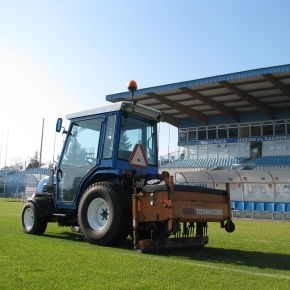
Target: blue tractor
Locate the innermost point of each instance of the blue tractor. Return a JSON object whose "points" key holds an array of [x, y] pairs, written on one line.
{"points": [[92, 186], [107, 184]]}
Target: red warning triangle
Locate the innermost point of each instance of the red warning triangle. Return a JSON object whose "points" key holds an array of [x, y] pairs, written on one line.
{"points": [[138, 157]]}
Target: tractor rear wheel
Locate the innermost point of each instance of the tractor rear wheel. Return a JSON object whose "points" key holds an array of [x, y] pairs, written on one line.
{"points": [[32, 221], [104, 214]]}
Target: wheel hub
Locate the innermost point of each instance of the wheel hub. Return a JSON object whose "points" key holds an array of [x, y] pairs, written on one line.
{"points": [[98, 213], [28, 218], [104, 214]]}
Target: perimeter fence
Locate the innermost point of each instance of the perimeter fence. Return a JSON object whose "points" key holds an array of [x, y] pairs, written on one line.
{"points": [[20, 184]]}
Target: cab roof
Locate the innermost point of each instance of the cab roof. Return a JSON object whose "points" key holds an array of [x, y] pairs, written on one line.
{"points": [[105, 109], [129, 107]]}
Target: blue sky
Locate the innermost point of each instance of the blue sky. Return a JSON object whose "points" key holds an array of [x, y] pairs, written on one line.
{"points": [[57, 57]]}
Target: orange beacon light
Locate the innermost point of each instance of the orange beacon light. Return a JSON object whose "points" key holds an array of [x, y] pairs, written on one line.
{"points": [[132, 87]]}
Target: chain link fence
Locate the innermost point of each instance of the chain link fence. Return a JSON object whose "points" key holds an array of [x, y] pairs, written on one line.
{"points": [[20, 184]]}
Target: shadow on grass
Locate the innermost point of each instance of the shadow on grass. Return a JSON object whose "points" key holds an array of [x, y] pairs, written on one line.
{"points": [[76, 237], [232, 257], [207, 254], [14, 200], [66, 236]]}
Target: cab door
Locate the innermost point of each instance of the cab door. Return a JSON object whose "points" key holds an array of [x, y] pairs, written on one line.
{"points": [[79, 156]]}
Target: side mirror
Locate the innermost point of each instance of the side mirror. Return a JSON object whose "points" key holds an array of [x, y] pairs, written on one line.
{"points": [[58, 125]]}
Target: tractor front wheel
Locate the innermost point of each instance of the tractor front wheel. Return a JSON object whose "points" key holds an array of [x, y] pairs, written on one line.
{"points": [[104, 214], [32, 221]]}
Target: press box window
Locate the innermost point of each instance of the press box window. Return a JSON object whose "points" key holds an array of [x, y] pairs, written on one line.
{"points": [[222, 132], [279, 128], [244, 130], [183, 135], [212, 133], [256, 129], [288, 126], [233, 131], [192, 135], [267, 129], [202, 133]]}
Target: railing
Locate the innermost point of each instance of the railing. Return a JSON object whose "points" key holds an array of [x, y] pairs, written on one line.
{"points": [[171, 157]]}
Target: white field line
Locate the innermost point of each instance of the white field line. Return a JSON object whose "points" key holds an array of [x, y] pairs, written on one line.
{"points": [[226, 269], [248, 272], [214, 267]]}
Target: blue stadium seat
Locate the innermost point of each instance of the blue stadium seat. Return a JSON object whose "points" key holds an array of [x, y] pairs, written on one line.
{"points": [[288, 207], [267, 162], [280, 207], [240, 205], [249, 206], [269, 206], [273, 160], [259, 206]]}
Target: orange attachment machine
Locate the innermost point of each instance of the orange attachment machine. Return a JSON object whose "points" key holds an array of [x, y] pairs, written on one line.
{"points": [[172, 216]]}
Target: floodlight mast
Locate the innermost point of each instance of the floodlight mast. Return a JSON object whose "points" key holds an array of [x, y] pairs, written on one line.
{"points": [[132, 87]]}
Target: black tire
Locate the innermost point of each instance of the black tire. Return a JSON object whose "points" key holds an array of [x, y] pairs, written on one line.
{"points": [[104, 214], [230, 226], [32, 222]]}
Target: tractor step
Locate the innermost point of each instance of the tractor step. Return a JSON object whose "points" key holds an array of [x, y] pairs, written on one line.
{"points": [[64, 215]]}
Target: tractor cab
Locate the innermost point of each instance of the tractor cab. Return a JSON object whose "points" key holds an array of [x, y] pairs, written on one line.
{"points": [[106, 143]]}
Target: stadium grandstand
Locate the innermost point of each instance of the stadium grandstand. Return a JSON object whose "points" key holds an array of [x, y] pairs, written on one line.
{"points": [[20, 184], [232, 128]]}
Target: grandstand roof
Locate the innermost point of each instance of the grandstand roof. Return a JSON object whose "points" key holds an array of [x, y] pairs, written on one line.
{"points": [[258, 94]]}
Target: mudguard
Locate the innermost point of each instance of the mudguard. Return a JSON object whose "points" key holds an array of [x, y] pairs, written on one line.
{"points": [[44, 204]]}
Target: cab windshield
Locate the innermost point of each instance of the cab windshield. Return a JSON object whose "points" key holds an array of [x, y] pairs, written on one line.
{"points": [[135, 131], [79, 156]]}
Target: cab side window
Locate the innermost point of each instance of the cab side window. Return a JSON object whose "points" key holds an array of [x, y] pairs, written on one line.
{"points": [[109, 137]]}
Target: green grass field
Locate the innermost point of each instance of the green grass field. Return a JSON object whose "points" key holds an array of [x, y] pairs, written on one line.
{"points": [[255, 256]]}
